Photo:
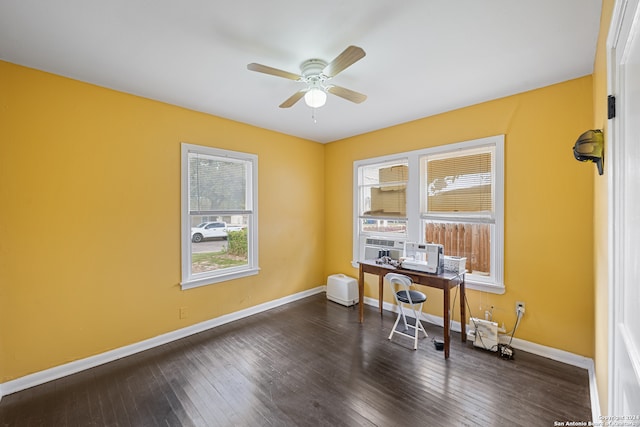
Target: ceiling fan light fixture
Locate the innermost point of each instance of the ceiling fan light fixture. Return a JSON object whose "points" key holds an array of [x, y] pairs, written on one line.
{"points": [[315, 74], [315, 97]]}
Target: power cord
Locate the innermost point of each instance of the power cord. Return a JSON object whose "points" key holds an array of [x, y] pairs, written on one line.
{"points": [[453, 312], [439, 344], [505, 350]]}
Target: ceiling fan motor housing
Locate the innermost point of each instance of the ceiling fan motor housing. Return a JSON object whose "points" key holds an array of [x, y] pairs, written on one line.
{"points": [[313, 67]]}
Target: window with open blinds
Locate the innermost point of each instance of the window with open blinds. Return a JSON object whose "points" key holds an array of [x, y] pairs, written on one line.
{"points": [[383, 189], [219, 219], [450, 194], [458, 205]]}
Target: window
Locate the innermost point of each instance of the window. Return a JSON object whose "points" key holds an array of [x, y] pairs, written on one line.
{"points": [[452, 195], [219, 218], [382, 206]]}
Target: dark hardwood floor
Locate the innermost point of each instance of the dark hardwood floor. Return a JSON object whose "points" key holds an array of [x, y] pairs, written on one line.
{"points": [[309, 363]]}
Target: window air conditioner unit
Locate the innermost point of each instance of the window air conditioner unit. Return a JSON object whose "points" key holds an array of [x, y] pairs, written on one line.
{"points": [[370, 246]]}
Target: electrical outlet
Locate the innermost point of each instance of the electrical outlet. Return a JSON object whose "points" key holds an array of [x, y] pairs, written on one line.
{"points": [[182, 313], [519, 307]]}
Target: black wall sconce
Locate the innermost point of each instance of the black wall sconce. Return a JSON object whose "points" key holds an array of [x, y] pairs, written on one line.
{"points": [[590, 148]]}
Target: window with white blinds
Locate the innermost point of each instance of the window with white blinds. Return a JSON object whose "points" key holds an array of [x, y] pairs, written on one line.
{"points": [[459, 182], [450, 194], [218, 185], [219, 218], [458, 207]]}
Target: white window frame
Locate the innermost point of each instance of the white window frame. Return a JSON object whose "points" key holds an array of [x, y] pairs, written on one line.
{"points": [[190, 280], [494, 284]]}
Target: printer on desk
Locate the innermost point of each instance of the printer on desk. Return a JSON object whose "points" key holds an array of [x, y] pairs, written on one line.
{"points": [[425, 257]]}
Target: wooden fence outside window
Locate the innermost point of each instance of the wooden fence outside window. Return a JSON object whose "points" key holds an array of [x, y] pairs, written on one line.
{"points": [[472, 241]]}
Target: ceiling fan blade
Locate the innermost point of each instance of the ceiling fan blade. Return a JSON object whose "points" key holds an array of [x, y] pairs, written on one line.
{"points": [[273, 71], [347, 94], [349, 56], [293, 99]]}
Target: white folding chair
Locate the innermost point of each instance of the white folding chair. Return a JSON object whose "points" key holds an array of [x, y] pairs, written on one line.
{"points": [[404, 295]]}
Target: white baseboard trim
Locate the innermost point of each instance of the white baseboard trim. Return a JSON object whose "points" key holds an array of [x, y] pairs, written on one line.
{"points": [[61, 371], [593, 392], [530, 347]]}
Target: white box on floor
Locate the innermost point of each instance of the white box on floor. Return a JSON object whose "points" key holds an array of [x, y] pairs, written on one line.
{"points": [[342, 289], [485, 333]]}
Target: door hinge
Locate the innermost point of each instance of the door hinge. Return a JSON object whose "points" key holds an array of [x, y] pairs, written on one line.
{"points": [[611, 106]]}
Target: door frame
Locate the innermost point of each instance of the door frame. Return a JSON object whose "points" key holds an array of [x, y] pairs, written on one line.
{"points": [[621, 29]]}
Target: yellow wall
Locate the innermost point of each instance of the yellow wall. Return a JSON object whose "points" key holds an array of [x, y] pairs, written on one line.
{"points": [[548, 198], [600, 255], [90, 219]]}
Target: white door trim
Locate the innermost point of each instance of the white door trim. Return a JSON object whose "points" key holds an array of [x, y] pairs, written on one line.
{"points": [[624, 24]]}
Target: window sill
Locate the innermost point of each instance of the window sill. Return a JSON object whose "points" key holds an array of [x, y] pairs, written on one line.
{"points": [[492, 288], [210, 280]]}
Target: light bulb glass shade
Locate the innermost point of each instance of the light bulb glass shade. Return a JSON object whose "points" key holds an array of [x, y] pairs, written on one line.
{"points": [[315, 98]]}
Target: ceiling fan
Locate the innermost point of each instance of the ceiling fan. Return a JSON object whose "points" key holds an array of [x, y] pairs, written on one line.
{"points": [[316, 73]]}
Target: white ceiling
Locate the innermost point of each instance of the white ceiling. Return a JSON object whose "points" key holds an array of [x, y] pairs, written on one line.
{"points": [[424, 57]]}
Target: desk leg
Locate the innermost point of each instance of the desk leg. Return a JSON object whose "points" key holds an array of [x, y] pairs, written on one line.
{"points": [[463, 314], [447, 333], [361, 294], [380, 292]]}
